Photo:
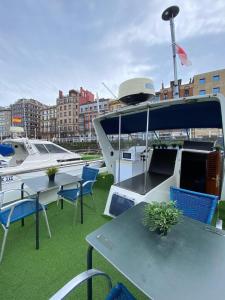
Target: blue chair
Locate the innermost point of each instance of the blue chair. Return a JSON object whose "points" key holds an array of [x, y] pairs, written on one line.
{"points": [[118, 292], [16, 211], [197, 206], [89, 176]]}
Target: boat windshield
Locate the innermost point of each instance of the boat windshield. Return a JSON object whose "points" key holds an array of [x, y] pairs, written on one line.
{"points": [[49, 148]]}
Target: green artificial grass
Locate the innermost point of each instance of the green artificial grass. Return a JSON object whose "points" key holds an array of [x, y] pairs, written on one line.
{"points": [[90, 156], [26, 273]]}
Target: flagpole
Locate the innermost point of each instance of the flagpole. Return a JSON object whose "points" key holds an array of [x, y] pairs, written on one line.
{"points": [[168, 15]]}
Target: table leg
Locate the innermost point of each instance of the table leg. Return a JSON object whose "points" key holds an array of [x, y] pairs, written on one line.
{"points": [[22, 196], [61, 199], [81, 203], [37, 220], [89, 266]]}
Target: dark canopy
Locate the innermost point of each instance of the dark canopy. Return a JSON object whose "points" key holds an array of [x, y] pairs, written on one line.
{"points": [[205, 114]]}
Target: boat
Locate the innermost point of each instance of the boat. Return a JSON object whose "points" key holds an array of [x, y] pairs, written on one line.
{"points": [[31, 159], [146, 174]]}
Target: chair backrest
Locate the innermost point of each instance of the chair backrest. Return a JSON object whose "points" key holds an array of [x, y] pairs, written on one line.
{"points": [[163, 161], [195, 205], [89, 174], [120, 292]]}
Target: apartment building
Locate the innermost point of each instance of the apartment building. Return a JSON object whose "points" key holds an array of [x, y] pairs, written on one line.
{"points": [[5, 122], [48, 124], [88, 112], [26, 113], [68, 114], [210, 83]]}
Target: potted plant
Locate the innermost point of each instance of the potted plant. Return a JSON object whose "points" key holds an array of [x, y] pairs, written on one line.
{"points": [[51, 173], [160, 216]]}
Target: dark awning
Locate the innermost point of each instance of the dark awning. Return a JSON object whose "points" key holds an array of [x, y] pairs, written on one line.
{"points": [[205, 114]]}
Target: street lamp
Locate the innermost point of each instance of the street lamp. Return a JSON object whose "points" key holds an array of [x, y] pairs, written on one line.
{"points": [[168, 15]]}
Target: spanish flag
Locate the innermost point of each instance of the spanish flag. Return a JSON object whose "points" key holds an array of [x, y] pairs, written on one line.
{"points": [[16, 119]]}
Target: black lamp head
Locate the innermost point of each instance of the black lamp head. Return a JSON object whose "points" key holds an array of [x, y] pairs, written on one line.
{"points": [[170, 12]]}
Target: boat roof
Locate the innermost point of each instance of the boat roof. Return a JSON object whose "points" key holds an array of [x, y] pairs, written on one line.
{"points": [[183, 113]]}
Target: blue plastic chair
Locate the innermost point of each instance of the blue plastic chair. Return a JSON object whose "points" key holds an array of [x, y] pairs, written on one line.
{"points": [[197, 206], [16, 211], [89, 176], [118, 292]]}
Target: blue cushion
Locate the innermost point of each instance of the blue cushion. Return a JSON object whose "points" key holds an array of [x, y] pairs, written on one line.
{"points": [[21, 211]]}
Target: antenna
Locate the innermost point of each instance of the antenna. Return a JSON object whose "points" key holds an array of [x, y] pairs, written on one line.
{"points": [[108, 89], [168, 15]]}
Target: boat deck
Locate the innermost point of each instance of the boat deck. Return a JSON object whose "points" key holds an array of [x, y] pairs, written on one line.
{"points": [[26, 273]]}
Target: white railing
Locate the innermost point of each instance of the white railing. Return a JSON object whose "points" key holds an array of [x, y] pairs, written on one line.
{"points": [[21, 171]]}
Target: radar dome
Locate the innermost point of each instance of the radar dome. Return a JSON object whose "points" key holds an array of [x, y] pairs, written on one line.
{"points": [[136, 90]]}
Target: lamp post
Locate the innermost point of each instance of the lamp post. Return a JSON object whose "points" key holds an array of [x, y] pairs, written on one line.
{"points": [[59, 133], [168, 15]]}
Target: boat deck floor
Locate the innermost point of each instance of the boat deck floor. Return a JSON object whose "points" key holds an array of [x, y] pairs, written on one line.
{"points": [[140, 185]]}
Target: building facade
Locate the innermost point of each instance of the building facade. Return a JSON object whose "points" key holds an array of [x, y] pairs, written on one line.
{"points": [[85, 96], [88, 112], [5, 122], [210, 83], [68, 114], [185, 90], [48, 123], [26, 113]]}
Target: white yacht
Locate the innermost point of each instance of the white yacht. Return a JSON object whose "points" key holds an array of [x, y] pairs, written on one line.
{"points": [[31, 158]]}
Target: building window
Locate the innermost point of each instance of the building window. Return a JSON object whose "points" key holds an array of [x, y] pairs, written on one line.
{"points": [[202, 92], [202, 80], [186, 93], [215, 90], [216, 78]]}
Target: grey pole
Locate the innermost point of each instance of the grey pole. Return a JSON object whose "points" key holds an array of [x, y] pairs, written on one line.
{"points": [[119, 148], [146, 149], [168, 15]]}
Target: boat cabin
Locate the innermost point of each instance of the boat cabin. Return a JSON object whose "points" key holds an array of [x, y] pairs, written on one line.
{"points": [[146, 172]]}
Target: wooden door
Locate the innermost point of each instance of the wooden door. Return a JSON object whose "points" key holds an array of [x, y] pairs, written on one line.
{"points": [[213, 173]]}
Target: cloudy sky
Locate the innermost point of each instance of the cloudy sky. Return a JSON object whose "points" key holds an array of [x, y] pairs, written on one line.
{"points": [[63, 44]]}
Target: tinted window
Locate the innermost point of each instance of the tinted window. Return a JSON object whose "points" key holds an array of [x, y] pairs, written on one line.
{"points": [[202, 80], [41, 148], [54, 149]]}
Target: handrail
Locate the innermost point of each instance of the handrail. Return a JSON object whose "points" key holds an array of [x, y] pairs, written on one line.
{"points": [[31, 170]]}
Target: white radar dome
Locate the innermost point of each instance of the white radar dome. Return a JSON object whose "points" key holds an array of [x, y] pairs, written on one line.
{"points": [[136, 90]]}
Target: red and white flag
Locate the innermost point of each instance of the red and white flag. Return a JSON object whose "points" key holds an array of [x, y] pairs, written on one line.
{"points": [[182, 55]]}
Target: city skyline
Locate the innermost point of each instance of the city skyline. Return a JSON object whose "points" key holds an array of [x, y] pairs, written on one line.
{"points": [[59, 45]]}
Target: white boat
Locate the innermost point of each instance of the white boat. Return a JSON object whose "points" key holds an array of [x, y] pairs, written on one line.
{"points": [[31, 159], [146, 175]]}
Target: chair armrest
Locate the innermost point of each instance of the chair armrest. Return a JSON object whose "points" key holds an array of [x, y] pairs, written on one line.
{"points": [[76, 281], [89, 181], [14, 204]]}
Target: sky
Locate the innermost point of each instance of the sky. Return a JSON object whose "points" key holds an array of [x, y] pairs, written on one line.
{"points": [[52, 45]]}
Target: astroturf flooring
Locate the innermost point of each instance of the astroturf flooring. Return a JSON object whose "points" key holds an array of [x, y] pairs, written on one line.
{"points": [[26, 273]]}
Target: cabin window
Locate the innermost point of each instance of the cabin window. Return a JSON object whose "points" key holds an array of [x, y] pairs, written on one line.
{"points": [[41, 148], [54, 149]]}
